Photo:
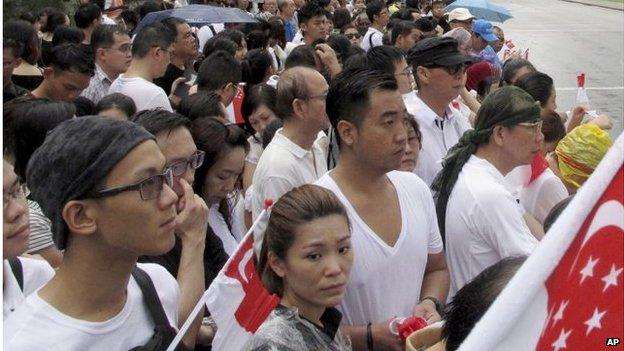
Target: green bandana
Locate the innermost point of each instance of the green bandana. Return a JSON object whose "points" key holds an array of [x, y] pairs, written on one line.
{"points": [[507, 106]]}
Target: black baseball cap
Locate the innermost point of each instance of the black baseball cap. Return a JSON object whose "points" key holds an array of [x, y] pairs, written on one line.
{"points": [[441, 51]]}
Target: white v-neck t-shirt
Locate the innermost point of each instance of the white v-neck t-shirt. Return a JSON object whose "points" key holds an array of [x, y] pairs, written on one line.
{"points": [[386, 281]]}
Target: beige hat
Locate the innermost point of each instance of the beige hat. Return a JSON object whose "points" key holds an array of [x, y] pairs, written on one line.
{"points": [[459, 14]]}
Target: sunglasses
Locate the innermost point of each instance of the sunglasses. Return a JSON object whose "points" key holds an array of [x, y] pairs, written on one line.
{"points": [[195, 161], [452, 70], [353, 36], [149, 188]]}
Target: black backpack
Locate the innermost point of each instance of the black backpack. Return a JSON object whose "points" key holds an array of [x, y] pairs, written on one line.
{"points": [[163, 331]]}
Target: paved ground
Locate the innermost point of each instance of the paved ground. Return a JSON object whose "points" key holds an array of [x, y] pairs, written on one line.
{"points": [[566, 38]]}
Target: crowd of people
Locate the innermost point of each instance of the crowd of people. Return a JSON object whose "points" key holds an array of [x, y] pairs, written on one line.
{"points": [[413, 158]]}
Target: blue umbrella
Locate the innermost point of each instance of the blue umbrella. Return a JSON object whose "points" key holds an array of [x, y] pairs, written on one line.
{"points": [[199, 15], [482, 9]]}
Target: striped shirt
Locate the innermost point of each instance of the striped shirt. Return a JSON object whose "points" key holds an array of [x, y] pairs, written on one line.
{"points": [[40, 229]]}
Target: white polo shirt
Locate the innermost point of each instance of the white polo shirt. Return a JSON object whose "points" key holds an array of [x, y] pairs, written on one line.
{"points": [[372, 38], [385, 280], [283, 166], [439, 134], [484, 223]]}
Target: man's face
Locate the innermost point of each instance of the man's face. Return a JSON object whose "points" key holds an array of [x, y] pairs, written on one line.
{"points": [[178, 147], [383, 17], [522, 143], [314, 105], [498, 45], [405, 42], [315, 28], [270, 6], [467, 24], [445, 81], [128, 223], [478, 43], [15, 230], [162, 59], [9, 62], [65, 85], [404, 76], [437, 10], [381, 138], [288, 10], [117, 58], [185, 46]]}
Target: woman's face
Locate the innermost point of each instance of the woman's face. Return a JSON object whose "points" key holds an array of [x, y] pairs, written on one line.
{"points": [[354, 36], [316, 268], [242, 50], [222, 177], [408, 162], [551, 103], [261, 117]]}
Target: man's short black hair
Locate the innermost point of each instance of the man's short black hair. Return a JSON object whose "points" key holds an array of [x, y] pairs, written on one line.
{"points": [[374, 8], [74, 58], [158, 120], [473, 300], [425, 24], [116, 100], [153, 35], [12, 45], [218, 70], [172, 24], [66, 34], [403, 28], [86, 14], [217, 43], [201, 104], [349, 94], [383, 58], [302, 55], [310, 10], [104, 35], [147, 7]]}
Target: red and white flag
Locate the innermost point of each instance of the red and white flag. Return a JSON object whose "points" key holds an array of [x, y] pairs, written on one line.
{"points": [[236, 299], [568, 295]]}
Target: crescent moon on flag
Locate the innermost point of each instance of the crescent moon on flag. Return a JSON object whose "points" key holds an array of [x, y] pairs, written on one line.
{"points": [[243, 264], [609, 213]]}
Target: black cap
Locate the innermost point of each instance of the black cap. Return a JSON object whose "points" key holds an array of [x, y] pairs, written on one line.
{"points": [[442, 51]]}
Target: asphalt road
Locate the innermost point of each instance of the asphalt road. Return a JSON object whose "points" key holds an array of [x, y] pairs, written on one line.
{"points": [[565, 39]]}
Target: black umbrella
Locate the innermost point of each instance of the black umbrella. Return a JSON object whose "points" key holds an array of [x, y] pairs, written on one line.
{"points": [[198, 15]]}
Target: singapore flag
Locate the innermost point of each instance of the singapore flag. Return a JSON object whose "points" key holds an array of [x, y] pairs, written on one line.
{"points": [[236, 299], [568, 295]]}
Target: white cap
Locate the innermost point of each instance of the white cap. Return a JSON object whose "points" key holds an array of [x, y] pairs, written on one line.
{"points": [[459, 14]]}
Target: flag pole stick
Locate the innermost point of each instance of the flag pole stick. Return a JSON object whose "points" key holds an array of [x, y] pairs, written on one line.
{"points": [[202, 300]]}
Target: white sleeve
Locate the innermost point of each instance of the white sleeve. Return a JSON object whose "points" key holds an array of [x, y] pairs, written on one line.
{"points": [[550, 194], [160, 100], [434, 240], [377, 39], [275, 187], [503, 226]]}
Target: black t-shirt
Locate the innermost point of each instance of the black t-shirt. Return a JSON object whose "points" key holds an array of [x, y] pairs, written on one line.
{"points": [[46, 53], [215, 257], [11, 91], [172, 73]]}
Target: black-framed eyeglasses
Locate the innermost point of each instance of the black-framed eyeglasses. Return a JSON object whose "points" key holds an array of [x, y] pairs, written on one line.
{"points": [[20, 193], [452, 70], [149, 188], [195, 161]]}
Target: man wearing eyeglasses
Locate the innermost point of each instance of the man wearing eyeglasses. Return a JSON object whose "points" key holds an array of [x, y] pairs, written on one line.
{"points": [[21, 275], [439, 70], [184, 50], [111, 46], [151, 55], [106, 188]]}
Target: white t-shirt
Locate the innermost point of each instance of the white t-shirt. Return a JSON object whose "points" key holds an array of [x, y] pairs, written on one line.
{"points": [[484, 223], [386, 281], [205, 33], [219, 226], [35, 274], [438, 135], [145, 94], [373, 36], [284, 165], [36, 325], [541, 195]]}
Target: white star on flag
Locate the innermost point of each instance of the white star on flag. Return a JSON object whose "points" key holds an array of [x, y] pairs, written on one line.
{"points": [[561, 341], [559, 315], [594, 321], [588, 270], [611, 278]]}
